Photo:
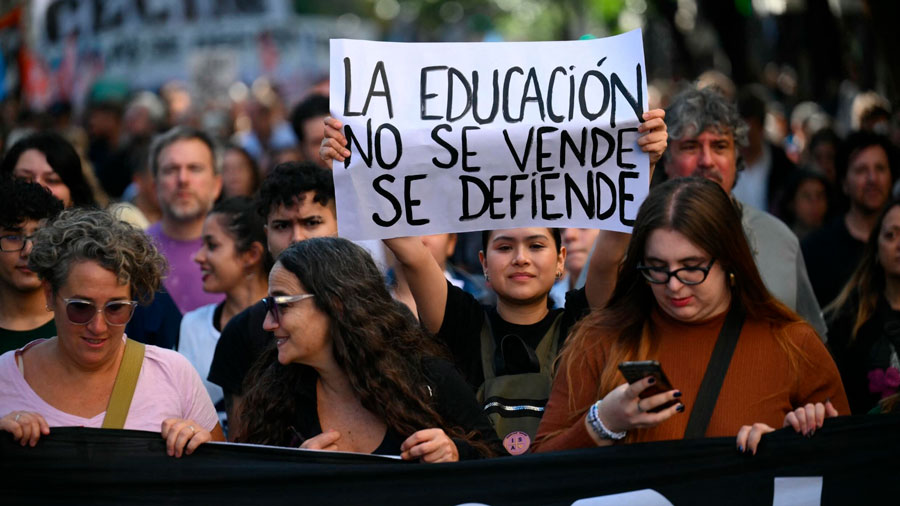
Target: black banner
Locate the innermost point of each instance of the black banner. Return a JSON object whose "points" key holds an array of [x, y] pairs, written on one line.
{"points": [[852, 460]]}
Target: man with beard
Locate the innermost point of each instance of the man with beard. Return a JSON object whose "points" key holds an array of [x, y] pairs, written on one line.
{"points": [[188, 181], [705, 133], [864, 172]]}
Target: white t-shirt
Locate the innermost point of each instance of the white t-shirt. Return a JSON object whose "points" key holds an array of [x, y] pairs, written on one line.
{"points": [[167, 387], [197, 342]]}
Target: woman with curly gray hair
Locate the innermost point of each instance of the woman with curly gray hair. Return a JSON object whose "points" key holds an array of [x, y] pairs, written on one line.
{"points": [[94, 269]]}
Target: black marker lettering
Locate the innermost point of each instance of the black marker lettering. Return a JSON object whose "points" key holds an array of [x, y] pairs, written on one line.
{"points": [[637, 104], [620, 149], [398, 144], [541, 154], [495, 102], [423, 95], [465, 150], [625, 197], [410, 202], [454, 154], [376, 184], [520, 162]]}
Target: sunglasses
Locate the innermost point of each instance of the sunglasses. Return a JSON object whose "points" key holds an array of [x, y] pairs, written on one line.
{"points": [[116, 312], [276, 304]]}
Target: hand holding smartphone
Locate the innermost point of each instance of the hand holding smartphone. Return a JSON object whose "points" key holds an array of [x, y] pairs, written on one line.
{"points": [[638, 370]]}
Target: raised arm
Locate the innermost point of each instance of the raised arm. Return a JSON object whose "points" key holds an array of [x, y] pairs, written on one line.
{"points": [[609, 248], [425, 277], [603, 267]]}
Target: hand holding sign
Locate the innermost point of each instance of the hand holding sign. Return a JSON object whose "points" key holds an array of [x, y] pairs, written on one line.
{"points": [[334, 145]]}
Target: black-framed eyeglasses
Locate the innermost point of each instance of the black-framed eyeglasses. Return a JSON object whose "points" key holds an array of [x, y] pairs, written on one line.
{"points": [[116, 312], [14, 242], [693, 275], [275, 303]]}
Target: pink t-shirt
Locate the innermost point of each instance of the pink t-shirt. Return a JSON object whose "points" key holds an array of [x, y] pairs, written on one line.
{"points": [[168, 387]]}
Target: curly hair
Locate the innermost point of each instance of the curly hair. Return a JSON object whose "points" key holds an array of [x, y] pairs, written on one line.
{"points": [[375, 343], [21, 201], [61, 157], [694, 111], [80, 234], [288, 180]]}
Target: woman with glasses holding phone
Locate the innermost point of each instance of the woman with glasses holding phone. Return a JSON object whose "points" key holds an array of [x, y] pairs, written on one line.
{"points": [[351, 370], [94, 269], [688, 270]]}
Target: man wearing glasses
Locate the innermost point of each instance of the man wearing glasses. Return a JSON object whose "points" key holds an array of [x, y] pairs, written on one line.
{"points": [[24, 317]]}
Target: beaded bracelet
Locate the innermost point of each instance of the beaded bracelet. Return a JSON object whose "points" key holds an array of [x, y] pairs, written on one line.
{"points": [[593, 418]]}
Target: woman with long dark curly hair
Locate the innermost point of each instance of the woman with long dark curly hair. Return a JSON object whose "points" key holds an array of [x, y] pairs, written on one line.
{"points": [[687, 271], [354, 372]]}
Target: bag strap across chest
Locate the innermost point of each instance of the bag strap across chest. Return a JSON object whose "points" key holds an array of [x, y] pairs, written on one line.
{"points": [[716, 370], [123, 388]]}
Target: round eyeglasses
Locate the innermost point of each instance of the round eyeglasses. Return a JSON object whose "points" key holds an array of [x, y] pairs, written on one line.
{"points": [[693, 275]]}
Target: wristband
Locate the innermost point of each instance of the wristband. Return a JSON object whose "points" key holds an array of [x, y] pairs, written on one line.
{"points": [[593, 418]]}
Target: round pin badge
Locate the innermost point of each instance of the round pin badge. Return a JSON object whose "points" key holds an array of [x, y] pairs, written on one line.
{"points": [[517, 443]]}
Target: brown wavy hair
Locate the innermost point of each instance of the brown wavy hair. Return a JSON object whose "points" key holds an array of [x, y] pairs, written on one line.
{"points": [[375, 340], [701, 211]]}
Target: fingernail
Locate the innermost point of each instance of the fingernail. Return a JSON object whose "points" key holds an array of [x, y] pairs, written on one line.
{"points": [[680, 408], [676, 394], [741, 448], [651, 381]]}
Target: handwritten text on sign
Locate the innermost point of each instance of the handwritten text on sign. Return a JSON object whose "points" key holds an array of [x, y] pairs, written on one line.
{"points": [[460, 137]]}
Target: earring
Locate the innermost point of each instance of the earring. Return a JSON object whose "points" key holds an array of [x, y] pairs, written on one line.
{"points": [[49, 309], [558, 274], [731, 278]]}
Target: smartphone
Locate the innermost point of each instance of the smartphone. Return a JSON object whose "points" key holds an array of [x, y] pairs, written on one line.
{"points": [[636, 371]]}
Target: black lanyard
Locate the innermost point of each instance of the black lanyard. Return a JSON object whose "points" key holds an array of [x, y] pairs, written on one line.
{"points": [[715, 372]]}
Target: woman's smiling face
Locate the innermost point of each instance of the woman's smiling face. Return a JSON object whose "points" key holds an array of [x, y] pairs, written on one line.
{"points": [[522, 264]]}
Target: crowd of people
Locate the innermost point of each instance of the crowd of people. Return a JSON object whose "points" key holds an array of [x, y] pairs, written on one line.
{"points": [[165, 277]]}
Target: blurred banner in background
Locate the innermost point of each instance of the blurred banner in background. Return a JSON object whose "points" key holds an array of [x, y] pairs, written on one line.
{"points": [[132, 44]]}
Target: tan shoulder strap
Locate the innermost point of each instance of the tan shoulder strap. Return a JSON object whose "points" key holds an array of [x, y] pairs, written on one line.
{"points": [[123, 389]]}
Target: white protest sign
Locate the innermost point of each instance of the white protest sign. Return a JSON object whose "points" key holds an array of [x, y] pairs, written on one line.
{"points": [[455, 137]]}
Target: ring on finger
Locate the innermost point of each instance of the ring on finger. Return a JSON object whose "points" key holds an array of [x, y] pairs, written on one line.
{"points": [[193, 430], [640, 409], [16, 419]]}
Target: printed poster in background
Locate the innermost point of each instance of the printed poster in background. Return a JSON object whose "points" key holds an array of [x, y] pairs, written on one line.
{"points": [[455, 137]]}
